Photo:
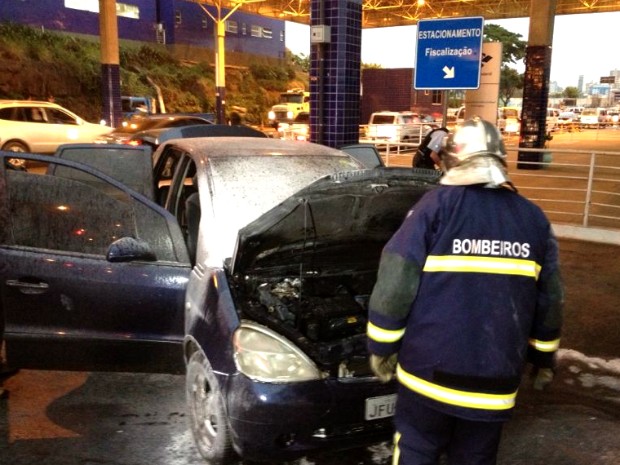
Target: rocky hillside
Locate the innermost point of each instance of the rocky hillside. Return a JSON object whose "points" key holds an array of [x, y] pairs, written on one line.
{"points": [[42, 65]]}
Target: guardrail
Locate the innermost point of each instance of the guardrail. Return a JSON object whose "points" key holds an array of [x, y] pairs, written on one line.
{"points": [[393, 133], [571, 186], [574, 187]]}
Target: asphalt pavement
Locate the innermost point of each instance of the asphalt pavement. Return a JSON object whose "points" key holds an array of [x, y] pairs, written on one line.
{"points": [[75, 418]]}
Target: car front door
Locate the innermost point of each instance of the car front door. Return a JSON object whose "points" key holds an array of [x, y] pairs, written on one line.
{"points": [[92, 274]]}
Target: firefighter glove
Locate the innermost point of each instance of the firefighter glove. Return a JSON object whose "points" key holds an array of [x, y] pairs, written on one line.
{"points": [[383, 366], [543, 378]]}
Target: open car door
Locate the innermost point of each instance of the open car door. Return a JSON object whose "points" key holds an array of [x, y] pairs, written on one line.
{"points": [[92, 273]]}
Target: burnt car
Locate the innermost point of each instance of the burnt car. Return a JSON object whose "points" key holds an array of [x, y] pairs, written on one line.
{"points": [[251, 274]]}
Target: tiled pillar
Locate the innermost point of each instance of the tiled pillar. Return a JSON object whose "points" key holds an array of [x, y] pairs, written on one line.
{"points": [[536, 82], [335, 73]]}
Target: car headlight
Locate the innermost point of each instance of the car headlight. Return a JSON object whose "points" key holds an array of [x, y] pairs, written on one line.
{"points": [[264, 355]]}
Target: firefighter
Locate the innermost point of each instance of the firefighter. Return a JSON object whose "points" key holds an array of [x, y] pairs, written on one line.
{"points": [[468, 290]]}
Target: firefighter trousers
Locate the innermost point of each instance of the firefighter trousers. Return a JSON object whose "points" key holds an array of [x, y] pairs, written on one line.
{"points": [[423, 434]]}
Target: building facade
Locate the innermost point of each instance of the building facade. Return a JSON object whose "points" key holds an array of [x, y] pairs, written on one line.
{"points": [[169, 22]]}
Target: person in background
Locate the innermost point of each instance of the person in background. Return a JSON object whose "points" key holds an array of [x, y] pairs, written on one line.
{"points": [[235, 119], [468, 290], [427, 154]]}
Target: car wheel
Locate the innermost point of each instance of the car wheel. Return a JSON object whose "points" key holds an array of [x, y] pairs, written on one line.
{"points": [[15, 146], [208, 419]]}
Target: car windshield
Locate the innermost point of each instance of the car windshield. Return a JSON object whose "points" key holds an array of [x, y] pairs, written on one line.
{"points": [[246, 187], [291, 98]]}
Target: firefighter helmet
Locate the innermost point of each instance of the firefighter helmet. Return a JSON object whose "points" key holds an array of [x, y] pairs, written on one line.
{"points": [[476, 137]]}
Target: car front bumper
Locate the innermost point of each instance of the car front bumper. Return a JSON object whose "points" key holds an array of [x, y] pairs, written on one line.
{"points": [[286, 421]]}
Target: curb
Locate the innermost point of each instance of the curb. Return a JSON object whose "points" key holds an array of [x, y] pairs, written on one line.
{"points": [[605, 236]]}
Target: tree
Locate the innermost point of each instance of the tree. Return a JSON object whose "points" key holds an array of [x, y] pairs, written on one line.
{"points": [[571, 92], [513, 50], [509, 82], [301, 60]]}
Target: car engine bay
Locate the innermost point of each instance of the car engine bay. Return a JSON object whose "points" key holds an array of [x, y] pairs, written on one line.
{"points": [[325, 316]]}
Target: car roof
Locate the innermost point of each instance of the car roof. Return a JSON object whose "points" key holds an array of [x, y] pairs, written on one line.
{"points": [[147, 122], [28, 103], [204, 147], [158, 135]]}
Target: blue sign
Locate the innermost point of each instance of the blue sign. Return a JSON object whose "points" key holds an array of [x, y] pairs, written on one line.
{"points": [[448, 53]]}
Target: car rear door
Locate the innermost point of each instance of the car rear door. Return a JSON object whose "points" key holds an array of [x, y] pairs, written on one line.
{"points": [[92, 274]]}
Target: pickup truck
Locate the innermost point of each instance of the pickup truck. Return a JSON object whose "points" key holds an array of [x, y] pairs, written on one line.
{"points": [[396, 126]]}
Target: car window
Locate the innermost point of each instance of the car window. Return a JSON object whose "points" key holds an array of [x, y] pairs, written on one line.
{"points": [[74, 214], [11, 114], [35, 115], [383, 119], [131, 165], [56, 116]]}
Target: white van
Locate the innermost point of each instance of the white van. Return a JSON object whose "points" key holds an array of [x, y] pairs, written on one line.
{"points": [[397, 126], [593, 117], [507, 118]]}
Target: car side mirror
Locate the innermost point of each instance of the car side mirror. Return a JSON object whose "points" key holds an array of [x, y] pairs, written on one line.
{"points": [[128, 249]]}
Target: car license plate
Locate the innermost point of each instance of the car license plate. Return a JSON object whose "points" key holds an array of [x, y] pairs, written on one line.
{"points": [[380, 407]]}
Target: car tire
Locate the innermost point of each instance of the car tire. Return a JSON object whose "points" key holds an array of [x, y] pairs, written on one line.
{"points": [[208, 420], [16, 146]]}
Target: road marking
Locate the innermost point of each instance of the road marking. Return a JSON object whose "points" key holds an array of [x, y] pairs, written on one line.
{"points": [[27, 407]]}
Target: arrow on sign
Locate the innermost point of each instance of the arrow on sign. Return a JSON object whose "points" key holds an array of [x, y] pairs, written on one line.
{"points": [[449, 72]]}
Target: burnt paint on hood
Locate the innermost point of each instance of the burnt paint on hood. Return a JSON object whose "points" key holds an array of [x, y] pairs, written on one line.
{"points": [[339, 222]]}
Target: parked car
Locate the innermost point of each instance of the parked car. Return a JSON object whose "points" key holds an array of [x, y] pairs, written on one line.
{"points": [[397, 126], [568, 120], [254, 267], [589, 118], [508, 119], [125, 133], [40, 127], [156, 136], [298, 129], [595, 118]]}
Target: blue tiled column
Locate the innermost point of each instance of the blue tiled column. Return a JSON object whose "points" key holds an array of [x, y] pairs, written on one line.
{"points": [[335, 73], [111, 94]]}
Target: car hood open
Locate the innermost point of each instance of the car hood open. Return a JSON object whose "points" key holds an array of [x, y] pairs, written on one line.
{"points": [[338, 222]]}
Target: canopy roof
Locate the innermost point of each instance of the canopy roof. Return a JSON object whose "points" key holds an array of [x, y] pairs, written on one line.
{"points": [[385, 13]]}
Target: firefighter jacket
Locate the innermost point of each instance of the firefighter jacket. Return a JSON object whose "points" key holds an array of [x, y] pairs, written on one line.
{"points": [[468, 290]]}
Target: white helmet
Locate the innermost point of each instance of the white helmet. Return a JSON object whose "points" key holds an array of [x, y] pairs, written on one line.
{"points": [[476, 137]]}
